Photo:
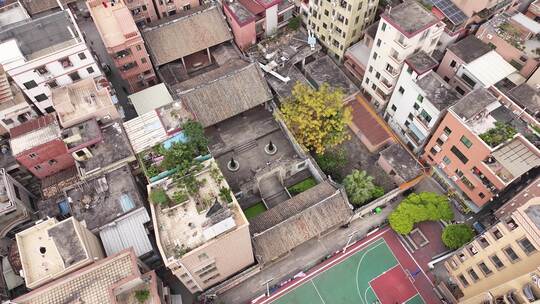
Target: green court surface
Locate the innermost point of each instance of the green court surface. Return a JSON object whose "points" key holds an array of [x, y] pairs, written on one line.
{"points": [[348, 281]]}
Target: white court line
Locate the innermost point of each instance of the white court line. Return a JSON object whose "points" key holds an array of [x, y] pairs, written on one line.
{"points": [[389, 269], [317, 290], [411, 298], [347, 254], [358, 270], [405, 271], [412, 258]]}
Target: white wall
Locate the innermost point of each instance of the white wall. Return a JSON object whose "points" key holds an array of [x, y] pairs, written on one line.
{"points": [[26, 72], [12, 113], [271, 20], [389, 38]]}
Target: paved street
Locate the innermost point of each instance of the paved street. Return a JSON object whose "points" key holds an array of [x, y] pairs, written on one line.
{"points": [[302, 258], [94, 41]]}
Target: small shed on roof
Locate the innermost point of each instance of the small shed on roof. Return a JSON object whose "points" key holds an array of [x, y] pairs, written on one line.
{"points": [[151, 98]]}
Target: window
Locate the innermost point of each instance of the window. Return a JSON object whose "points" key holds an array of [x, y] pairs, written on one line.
{"points": [[463, 281], [447, 131], [324, 25], [375, 56], [378, 75], [460, 91], [143, 60], [7, 121], [483, 267], [326, 13], [37, 167], [433, 151], [52, 84], [439, 142], [459, 155], [32, 155], [90, 70], [394, 107], [420, 98], [143, 7], [511, 254], [453, 64], [526, 245], [383, 26], [40, 97], [481, 195], [356, 20], [30, 84], [446, 160], [410, 116], [468, 80], [407, 123], [473, 275], [496, 261], [82, 56], [409, 70], [496, 233], [17, 191], [74, 76], [446, 78], [138, 47], [483, 242], [466, 141], [42, 70], [202, 256], [416, 106], [370, 69], [379, 42], [401, 90], [49, 109], [187, 7]]}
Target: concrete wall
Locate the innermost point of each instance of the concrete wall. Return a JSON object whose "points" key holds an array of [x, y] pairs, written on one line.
{"points": [[271, 20]]}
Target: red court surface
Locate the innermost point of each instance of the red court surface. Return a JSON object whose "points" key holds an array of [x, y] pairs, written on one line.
{"points": [[393, 286]]}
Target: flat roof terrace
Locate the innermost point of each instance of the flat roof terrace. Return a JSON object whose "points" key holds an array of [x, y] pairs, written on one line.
{"points": [[48, 249], [190, 220]]}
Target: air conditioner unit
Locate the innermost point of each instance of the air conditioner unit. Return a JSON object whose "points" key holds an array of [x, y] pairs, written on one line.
{"points": [[443, 137], [454, 178], [437, 148], [442, 165]]}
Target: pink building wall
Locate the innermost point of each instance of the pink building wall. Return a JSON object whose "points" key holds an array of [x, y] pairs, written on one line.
{"points": [[245, 34], [445, 70], [165, 7], [148, 15], [478, 152]]}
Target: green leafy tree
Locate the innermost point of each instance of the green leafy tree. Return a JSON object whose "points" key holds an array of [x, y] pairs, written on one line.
{"points": [[194, 131], [294, 23], [425, 206], [457, 235], [142, 295], [317, 118], [332, 162], [179, 155], [159, 196], [359, 187]]}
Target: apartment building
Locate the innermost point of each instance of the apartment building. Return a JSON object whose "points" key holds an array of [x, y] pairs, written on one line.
{"points": [[470, 64], [403, 30], [123, 42], [454, 19], [357, 56], [38, 145], [143, 11], [514, 38], [172, 7], [533, 11], [15, 204], [113, 280], [14, 109], [43, 53], [480, 147], [84, 100], [501, 264], [338, 24], [52, 249], [419, 102], [203, 238], [250, 20]]}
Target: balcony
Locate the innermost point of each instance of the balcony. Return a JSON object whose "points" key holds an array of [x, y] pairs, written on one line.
{"points": [[401, 43], [122, 54], [484, 180], [386, 85], [422, 122], [395, 58], [392, 71]]}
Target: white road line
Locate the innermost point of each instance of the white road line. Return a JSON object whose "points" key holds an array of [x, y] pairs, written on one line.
{"points": [[358, 270], [320, 270], [317, 290]]}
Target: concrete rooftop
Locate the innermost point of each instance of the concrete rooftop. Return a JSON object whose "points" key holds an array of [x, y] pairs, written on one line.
{"points": [[437, 91], [324, 70], [410, 17]]}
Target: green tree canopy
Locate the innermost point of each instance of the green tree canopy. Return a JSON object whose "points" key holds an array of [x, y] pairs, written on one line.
{"points": [[457, 235], [317, 118], [359, 187], [332, 162], [425, 206], [194, 131]]}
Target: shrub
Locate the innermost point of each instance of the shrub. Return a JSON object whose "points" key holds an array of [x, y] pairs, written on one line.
{"points": [[142, 295], [499, 134], [180, 197], [159, 196], [302, 186], [457, 235], [332, 162], [377, 192], [425, 206], [359, 187], [225, 194], [294, 23], [194, 131]]}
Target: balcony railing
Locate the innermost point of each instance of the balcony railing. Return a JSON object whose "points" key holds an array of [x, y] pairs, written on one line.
{"points": [[401, 43]]}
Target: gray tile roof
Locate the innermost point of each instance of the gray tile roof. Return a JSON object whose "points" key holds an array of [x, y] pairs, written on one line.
{"points": [[469, 48], [228, 95], [298, 220], [186, 35]]}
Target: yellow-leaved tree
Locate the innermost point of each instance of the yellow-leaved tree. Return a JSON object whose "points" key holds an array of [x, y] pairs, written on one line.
{"points": [[317, 118]]}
